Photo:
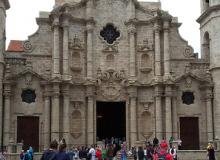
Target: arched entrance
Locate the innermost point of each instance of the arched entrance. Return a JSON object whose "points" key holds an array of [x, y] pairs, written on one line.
{"points": [[110, 120]]}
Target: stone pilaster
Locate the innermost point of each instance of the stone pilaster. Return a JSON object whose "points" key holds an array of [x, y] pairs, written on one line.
{"points": [[89, 61], [168, 113], [66, 48], [158, 110], [90, 115], [46, 120], [7, 113], [133, 114], [209, 114], [166, 26], [66, 113], [132, 56], [174, 117], [55, 114], [157, 29], [1, 99], [56, 48]]}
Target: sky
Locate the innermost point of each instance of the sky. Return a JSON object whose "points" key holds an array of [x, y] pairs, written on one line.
{"points": [[21, 16]]}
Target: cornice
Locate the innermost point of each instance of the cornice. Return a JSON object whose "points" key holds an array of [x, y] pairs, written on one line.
{"points": [[208, 12], [7, 4]]}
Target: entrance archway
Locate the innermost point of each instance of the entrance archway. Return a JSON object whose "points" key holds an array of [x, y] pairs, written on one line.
{"points": [[111, 120]]}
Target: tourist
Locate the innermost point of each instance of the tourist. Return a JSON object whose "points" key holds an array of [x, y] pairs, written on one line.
{"points": [[123, 152], [27, 155], [173, 152], [140, 153], [171, 141], [2, 156], [210, 152], [162, 154], [150, 151], [61, 154], [31, 152], [50, 153], [155, 142], [92, 153], [104, 153], [21, 155], [110, 152], [98, 153]]}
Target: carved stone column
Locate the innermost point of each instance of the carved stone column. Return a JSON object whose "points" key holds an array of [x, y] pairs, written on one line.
{"points": [[158, 110], [157, 50], [209, 114], [168, 113], [66, 113], [90, 115], [133, 115], [56, 48], [7, 113], [89, 62], [55, 119], [166, 26], [66, 49], [132, 57], [46, 120]]}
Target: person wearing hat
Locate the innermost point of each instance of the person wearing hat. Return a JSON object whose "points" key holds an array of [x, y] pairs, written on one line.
{"points": [[162, 154]]}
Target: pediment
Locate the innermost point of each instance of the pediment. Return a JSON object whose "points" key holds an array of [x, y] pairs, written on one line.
{"points": [[193, 77], [26, 73]]}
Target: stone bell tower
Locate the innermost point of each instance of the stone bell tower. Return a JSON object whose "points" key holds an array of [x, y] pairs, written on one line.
{"points": [[210, 50], [4, 5]]}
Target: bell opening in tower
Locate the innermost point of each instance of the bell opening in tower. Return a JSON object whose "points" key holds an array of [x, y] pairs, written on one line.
{"points": [[111, 120]]}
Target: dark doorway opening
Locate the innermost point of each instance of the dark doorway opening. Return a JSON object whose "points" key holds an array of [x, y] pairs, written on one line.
{"points": [[111, 120], [28, 132], [189, 133]]}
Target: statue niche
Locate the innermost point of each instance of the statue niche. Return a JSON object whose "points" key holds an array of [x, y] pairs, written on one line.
{"points": [[76, 50], [76, 124]]}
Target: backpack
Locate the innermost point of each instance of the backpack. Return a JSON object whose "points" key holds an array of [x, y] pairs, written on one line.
{"points": [[162, 156], [172, 151]]}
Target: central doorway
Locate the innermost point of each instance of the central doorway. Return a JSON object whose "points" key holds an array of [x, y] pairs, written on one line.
{"points": [[111, 120]]}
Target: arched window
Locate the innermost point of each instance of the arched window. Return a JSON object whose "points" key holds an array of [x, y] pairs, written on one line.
{"points": [[206, 47]]}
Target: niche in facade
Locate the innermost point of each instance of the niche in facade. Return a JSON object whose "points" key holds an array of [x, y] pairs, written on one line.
{"points": [[28, 96], [188, 98], [76, 61], [109, 33], [76, 124], [110, 60]]}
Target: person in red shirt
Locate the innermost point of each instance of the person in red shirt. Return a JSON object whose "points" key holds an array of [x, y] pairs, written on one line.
{"points": [[162, 154], [99, 153]]}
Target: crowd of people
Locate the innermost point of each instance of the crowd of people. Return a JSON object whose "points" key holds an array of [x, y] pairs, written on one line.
{"points": [[111, 151]]}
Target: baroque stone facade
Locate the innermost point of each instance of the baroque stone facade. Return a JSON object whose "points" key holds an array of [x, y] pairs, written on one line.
{"points": [[91, 51]]}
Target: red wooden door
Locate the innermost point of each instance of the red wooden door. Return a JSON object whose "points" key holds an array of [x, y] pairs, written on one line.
{"points": [[189, 133], [28, 132]]}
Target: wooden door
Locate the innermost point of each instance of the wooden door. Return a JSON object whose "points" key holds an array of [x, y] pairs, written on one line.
{"points": [[28, 132], [189, 133]]}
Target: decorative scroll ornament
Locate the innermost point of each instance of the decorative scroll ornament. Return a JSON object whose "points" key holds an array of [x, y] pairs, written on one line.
{"points": [[27, 46], [146, 46], [188, 53], [110, 83]]}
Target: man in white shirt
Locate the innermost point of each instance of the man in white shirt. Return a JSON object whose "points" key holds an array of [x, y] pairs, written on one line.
{"points": [[92, 152], [173, 152]]}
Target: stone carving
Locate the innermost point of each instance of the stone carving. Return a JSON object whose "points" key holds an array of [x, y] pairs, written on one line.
{"points": [[76, 124], [110, 83], [188, 82], [146, 46], [188, 53], [27, 46], [110, 48], [76, 44], [109, 33]]}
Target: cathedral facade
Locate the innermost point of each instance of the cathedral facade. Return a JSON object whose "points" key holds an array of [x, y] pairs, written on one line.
{"points": [[98, 69]]}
